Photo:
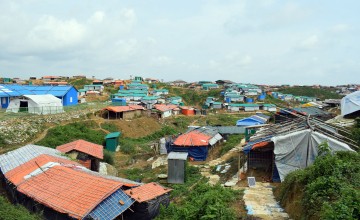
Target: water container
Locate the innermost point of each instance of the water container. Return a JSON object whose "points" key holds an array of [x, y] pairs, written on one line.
{"points": [[228, 100], [121, 87]]}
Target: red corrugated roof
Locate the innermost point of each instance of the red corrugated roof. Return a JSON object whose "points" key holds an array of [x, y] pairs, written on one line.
{"points": [[68, 191], [192, 139], [164, 108], [83, 146], [147, 192], [16, 175], [124, 108]]}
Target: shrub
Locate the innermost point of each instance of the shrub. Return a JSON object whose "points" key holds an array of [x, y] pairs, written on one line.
{"points": [[109, 157], [9, 211]]}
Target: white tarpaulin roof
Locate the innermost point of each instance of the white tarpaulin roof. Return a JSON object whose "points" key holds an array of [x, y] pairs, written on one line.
{"points": [[299, 150], [37, 104], [350, 103]]}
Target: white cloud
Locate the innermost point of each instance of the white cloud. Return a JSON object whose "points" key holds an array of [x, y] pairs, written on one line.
{"points": [[340, 28], [310, 42], [246, 60], [51, 33], [162, 60], [97, 17]]}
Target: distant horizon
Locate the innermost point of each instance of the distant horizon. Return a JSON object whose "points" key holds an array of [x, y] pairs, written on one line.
{"points": [[262, 42], [167, 81]]}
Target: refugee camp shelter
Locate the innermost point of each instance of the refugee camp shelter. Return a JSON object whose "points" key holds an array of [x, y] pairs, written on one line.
{"points": [[314, 111], [45, 182], [196, 142], [148, 200], [176, 167], [350, 105], [284, 147], [123, 112], [165, 110], [88, 154], [36, 104], [112, 141], [250, 121], [67, 94]]}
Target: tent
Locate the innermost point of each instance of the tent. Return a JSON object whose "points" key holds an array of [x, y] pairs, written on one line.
{"points": [[350, 103], [250, 121], [299, 149], [36, 104]]}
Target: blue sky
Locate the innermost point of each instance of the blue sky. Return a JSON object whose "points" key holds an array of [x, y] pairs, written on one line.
{"points": [[251, 41]]}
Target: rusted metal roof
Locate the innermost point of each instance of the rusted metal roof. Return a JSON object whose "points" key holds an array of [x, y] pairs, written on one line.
{"points": [[124, 108], [83, 146], [147, 192]]}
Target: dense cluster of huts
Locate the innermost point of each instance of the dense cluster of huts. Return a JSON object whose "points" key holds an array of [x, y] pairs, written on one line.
{"points": [[45, 180]]}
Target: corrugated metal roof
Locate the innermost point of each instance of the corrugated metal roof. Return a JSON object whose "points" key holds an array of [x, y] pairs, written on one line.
{"points": [[177, 155], [199, 136], [147, 192], [229, 129], [113, 135], [68, 191], [83, 146], [22, 155], [17, 175]]}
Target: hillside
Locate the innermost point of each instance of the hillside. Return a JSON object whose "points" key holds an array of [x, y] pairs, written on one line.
{"points": [[321, 93], [193, 97], [329, 189]]}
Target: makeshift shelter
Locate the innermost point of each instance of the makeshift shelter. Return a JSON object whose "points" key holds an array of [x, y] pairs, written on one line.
{"points": [[123, 112], [148, 199], [285, 147], [250, 121], [43, 181], [197, 142], [350, 104], [36, 104], [88, 154], [165, 110]]}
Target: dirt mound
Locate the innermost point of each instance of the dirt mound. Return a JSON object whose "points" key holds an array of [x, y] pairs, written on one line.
{"points": [[136, 128]]}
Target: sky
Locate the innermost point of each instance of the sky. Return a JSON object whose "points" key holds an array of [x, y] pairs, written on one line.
{"points": [[249, 41]]}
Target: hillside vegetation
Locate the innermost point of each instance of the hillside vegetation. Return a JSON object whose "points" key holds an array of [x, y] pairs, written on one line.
{"points": [[329, 189], [321, 93], [9, 211], [193, 97]]}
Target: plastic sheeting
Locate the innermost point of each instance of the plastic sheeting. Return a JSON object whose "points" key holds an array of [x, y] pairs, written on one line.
{"points": [[299, 150], [196, 153], [350, 103]]}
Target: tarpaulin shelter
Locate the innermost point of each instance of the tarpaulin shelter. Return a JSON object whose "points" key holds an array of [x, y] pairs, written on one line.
{"points": [[197, 142], [292, 145], [299, 149], [36, 104], [350, 104], [252, 120]]}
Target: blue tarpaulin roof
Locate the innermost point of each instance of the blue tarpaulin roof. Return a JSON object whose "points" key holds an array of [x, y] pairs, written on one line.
{"points": [[249, 121], [13, 90], [250, 144], [111, 207]]}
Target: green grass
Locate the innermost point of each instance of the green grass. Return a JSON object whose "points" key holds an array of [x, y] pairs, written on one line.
{"points": [[198, 200], [109, 127], [72, 132], [230, 143], [9, 211]]}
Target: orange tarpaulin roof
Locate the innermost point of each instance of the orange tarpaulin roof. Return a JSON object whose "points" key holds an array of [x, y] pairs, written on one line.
{"points": [[69, 191], [16, 175], [83, 146], [192, 139], [164, 108], [124, 108], [147, 192]]}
